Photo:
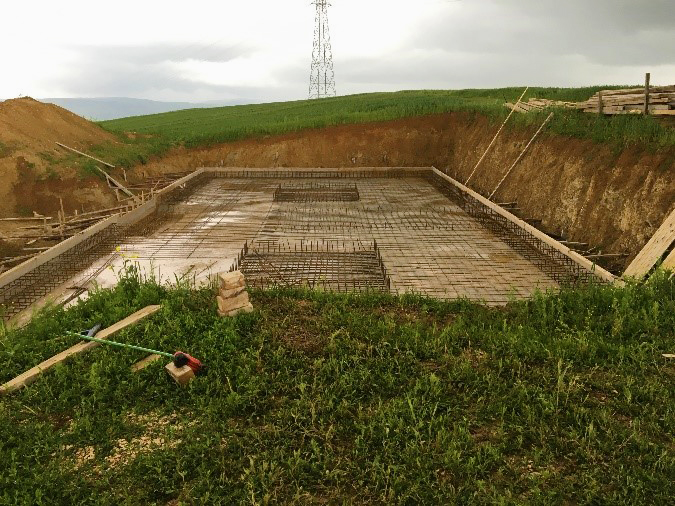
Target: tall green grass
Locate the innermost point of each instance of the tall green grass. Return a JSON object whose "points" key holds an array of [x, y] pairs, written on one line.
{"points": [[318, 398], [203, 127]]}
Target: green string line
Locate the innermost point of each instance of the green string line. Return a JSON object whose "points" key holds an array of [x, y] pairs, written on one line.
{"points": [[121, 345]]}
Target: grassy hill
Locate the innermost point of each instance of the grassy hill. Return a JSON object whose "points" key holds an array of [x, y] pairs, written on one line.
{"points": [[317, 398], [203, 127]]}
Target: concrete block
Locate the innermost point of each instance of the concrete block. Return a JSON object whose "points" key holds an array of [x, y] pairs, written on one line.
{"points": [[230, 280], [182, 375], [225, 305]]}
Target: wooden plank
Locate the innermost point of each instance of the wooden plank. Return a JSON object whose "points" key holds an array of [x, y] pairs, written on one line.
{"points": [[84, 154], [108, 176], [31, 218], [33, 374], [669, 262], [142, 364], [655, 98], [653, 250], [633, 91]]}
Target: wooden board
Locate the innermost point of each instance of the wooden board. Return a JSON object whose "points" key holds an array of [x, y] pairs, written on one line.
{"points": [[32, 374], [142, 364], [669, 262], [653, 250]]}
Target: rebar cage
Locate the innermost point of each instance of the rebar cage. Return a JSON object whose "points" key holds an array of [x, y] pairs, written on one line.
{"points": [[337, 266], [316, 192]]}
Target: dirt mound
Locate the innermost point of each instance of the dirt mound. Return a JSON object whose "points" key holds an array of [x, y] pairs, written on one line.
{"points": [[611, 198], [31, 177]]}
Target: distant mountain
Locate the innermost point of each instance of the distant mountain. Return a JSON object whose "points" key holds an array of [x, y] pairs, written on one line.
{"points": [[121, 107]]}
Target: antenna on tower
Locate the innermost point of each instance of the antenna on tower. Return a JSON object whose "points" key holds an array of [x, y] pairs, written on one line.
{"points": [[321, 77]]}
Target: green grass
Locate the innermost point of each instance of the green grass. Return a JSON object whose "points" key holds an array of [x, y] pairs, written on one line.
{"points": [[203, 127], [4, 150], [373, 399]]}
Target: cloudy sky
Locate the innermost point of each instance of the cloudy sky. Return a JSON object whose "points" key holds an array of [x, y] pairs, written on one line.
{"points": [[200, 50]]}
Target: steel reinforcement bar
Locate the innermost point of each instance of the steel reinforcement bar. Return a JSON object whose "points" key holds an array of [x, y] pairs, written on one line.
{"points": [[562, 264], [28, 282]]}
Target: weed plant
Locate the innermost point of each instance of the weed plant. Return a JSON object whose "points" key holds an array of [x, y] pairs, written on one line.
{"points": [[89, 169], [356, 399]]}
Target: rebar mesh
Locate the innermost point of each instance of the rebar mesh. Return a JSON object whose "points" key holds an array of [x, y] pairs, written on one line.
{"points": [[549, 260], [39, 282], [336, 266], [316, 192], [444, 244]]}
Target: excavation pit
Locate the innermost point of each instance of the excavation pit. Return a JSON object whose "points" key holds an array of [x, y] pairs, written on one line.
{"points": [[432, 235]]}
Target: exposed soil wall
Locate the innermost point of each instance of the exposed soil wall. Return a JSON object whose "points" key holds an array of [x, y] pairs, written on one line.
{"points": [[29, 180], [611, 198]]}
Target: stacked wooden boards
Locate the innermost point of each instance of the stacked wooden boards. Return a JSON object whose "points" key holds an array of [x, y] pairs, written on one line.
{"points": [[627, 101], [538, 104], [632, 101]]}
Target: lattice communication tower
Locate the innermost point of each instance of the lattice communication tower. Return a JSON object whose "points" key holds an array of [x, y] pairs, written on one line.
{"points": [[322, 77]]}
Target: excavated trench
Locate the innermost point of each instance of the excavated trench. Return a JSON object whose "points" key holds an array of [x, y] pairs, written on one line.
{"points": [[611, 199]]}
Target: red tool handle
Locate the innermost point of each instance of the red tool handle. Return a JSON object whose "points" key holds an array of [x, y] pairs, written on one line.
{"points": [[181, 359]]}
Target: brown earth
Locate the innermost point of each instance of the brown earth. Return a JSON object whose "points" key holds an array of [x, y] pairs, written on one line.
{"points": [[34, 172], [611, 198]]}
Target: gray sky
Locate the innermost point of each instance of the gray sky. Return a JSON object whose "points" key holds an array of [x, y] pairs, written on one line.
{"points": [[201, 50]]}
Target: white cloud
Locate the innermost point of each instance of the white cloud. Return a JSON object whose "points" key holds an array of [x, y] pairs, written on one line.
{"points": [[205, 50]]}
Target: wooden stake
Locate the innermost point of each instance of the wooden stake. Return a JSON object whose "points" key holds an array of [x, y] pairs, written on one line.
{"points": [[646, 109], [62, 217], [494, 139], [600, 103], [520, 157]]}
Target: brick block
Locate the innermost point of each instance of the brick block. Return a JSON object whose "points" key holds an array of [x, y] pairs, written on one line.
{"points": [[248, 308], [231, 280], [228, 294], [225, 305], [182, 375]]}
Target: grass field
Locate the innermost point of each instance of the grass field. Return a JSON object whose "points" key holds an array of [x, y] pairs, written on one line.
{"points": [[330, 399], [203, 127]]}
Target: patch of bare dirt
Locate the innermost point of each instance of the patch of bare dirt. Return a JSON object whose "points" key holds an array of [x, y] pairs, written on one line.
{"points": [[158, 432]]}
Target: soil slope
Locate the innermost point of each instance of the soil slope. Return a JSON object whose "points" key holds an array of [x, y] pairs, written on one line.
{"points": [[34, 172], [608, 197]]}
